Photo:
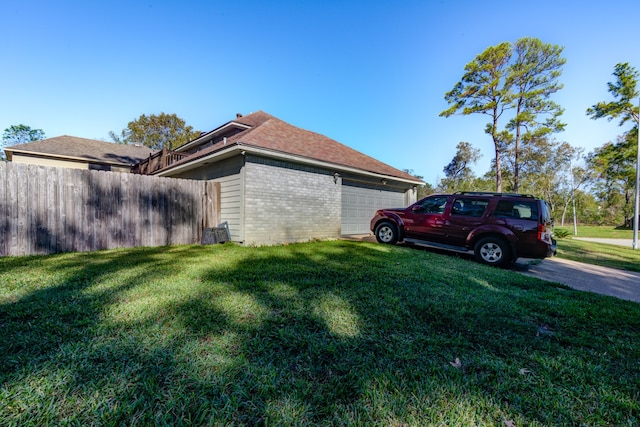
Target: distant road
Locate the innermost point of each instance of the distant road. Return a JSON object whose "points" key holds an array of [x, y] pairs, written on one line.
{"points": [[620, 242]]}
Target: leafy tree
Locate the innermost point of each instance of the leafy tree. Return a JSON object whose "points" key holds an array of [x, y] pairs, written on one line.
{"points": [[625, 90], [533, 78], [616, 162], [19, 134], [156, 131], [519, 77], [482, 91], [458, 173]]}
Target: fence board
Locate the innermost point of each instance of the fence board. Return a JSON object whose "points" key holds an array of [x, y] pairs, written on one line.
{"points": [[48, 210], [4, 214], [52, 212], [42, 229], [12, 210], [23, 219]]}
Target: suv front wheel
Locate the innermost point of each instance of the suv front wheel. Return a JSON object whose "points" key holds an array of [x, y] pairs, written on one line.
{"points": [[386, 232], [493, 251]]}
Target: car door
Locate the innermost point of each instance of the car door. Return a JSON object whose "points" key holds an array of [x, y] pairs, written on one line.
{"points": [[465, 215], [424, 220]]}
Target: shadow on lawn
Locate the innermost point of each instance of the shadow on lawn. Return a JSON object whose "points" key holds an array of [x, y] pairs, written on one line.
{"points": [[277, 335], [36, 326]]}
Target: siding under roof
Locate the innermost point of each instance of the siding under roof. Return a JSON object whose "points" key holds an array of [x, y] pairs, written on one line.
{"points": [[91, 150]]}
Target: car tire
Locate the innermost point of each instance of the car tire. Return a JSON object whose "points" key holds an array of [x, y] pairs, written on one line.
{"points": [[386, 232], [493, 251]]}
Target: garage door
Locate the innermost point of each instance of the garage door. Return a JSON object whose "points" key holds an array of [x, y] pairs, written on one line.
{"points": [[360, 204]]}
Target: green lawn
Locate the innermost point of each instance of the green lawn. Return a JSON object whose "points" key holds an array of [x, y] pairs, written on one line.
{"points": [[606, 255], [608, 232], [321, 333]]}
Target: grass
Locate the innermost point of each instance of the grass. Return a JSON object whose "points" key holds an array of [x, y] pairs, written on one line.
{"points": [[599, 254], [322, 333], [608, 232], [606, 255]]}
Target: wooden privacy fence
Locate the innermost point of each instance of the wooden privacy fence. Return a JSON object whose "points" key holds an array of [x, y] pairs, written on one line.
{"points": [[46, 210]]}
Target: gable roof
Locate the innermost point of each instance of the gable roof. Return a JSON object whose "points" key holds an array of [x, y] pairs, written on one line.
{"points": [[90, 150], [270, 134]]}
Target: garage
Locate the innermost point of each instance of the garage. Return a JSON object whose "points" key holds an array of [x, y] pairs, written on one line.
{"points": [[359, 204]]}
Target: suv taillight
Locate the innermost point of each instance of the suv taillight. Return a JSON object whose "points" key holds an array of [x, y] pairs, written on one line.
{"points": [[541, 231]]}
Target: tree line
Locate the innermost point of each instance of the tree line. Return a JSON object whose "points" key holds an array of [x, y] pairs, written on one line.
{"points": [[513, 84]]}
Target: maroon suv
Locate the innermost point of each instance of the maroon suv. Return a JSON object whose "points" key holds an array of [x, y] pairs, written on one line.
{"points": [[497, 227]]}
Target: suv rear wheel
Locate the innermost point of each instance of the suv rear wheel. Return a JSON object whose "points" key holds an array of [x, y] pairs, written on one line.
{"points": [[386, 232], [493, 251]]}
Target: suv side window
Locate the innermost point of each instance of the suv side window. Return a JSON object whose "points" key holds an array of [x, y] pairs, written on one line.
{"points": [[521, 210], [432, 205], [469, 207]]}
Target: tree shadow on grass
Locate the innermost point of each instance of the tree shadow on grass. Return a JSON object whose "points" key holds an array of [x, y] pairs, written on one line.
{"points": [[328, 333]]}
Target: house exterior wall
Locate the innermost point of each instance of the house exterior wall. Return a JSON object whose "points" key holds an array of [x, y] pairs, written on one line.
{"points": [[60, 163], [229, 173], [288, 202], [270, 201], [123, 169], [45, 161]]}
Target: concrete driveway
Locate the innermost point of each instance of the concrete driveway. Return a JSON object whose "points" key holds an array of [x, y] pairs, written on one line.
{"points": [[592, 278], [586, 277]]}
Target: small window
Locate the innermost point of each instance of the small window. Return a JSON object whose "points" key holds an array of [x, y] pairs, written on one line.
{"points": [[469, 207], [520, 210], [432, 205]]}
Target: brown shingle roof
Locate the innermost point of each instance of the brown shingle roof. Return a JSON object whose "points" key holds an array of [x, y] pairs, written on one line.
{"points": [[86, 149], [271, 133]]}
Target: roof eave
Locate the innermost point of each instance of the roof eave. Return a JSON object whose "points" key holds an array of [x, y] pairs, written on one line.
{"points": [[61, 157], [252, 149]]}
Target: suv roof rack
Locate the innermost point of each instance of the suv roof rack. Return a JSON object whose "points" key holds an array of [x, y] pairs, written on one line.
{"points": [[491, 193]]}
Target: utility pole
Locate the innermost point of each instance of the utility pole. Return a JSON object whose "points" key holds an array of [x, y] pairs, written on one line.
{"points": [[573, 200], [636, 211]]}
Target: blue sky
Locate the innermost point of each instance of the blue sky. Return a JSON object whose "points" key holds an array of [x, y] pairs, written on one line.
{"points": [[370, 74]]}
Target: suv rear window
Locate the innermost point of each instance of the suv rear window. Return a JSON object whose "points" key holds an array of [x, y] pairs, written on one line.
{"points": [[513, 209]]}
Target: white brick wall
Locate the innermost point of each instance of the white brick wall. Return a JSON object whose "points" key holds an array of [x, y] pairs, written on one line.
{"points": [[287, 202]]}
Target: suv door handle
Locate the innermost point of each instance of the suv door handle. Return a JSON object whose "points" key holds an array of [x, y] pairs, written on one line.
{"points": [[518, 227]]}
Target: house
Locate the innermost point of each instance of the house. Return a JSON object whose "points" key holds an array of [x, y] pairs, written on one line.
{"points": [[78, 153], [280, 183]]}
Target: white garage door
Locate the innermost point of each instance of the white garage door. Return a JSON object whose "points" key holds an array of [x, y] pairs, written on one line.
{"points": [[360, 204]]}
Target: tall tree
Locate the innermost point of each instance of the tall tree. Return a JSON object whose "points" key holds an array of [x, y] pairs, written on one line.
{"points": [[625, 90], [616, 162], [156, 132], [614, 165], [19, 134], [519, 77], [458, 172], [482, 90], [533, 78]]}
